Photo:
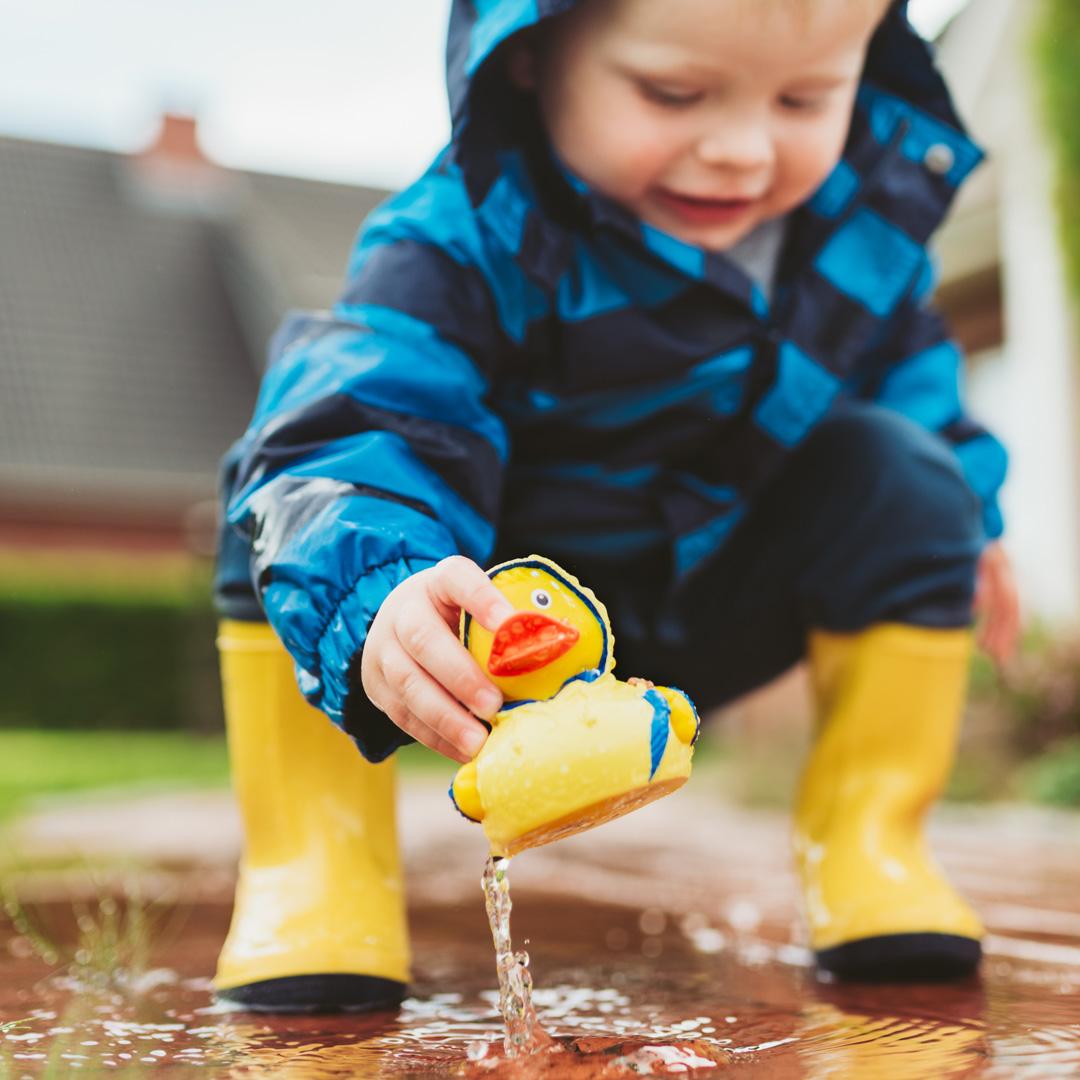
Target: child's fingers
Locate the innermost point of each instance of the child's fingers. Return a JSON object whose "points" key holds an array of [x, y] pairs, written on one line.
{"points": [[423, 733], [1010, 630], [435, 647], [460, 583], [1001, 625], [1003, 637], [414, 689], [991, 638]]}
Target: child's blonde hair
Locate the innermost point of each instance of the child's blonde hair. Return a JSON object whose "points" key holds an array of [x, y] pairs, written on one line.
{"points": [[803, 10]]}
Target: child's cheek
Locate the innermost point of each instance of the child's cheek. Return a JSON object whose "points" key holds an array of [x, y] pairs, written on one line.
{"points": [[805, 163], [642, 154], [613, 153]]}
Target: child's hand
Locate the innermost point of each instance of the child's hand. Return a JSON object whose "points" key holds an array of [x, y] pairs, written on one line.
{"points": [[416, 670], [998, 604]]}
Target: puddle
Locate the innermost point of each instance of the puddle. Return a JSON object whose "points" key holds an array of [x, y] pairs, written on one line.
{"points": [[610, 982], [636, 941]]}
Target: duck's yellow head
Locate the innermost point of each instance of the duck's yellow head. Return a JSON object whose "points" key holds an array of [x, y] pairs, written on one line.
{"points": [[558, 630]]}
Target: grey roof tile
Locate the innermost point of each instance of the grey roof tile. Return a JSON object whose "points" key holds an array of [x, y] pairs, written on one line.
{"points": [[130, 337]]}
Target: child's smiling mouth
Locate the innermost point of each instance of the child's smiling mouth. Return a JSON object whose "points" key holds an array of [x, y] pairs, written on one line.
{"points": [[695, 210]]}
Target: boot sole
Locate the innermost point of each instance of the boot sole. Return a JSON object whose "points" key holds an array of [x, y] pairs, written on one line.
{"points": [[316, 994], [903, 958]]}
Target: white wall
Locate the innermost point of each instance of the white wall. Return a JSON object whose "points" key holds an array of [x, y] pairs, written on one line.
{"points": [[1028, 393]]}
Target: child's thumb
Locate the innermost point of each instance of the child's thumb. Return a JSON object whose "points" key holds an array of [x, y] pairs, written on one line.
{"points": [[462, 583]]}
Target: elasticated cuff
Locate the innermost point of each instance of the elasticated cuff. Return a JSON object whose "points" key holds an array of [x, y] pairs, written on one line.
{"points": [[375, 734], [339, 649]]}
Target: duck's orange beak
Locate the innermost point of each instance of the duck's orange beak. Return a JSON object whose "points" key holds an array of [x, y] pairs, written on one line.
{"points": [[527, 640]]}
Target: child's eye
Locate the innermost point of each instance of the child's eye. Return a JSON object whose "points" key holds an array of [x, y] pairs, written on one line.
{"points": [[800, 104], [661, 96]]}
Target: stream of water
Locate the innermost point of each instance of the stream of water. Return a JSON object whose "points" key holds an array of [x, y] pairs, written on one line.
{"points": [[523, 1033]]}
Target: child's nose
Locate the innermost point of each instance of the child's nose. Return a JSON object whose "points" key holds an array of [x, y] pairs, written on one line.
{"points": [[744, 145]]}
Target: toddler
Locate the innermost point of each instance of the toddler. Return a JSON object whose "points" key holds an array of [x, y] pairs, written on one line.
{"points": [[658, 312]]}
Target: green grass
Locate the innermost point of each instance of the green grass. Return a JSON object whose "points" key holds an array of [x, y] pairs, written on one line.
{"points": [[41, 763], [1054, 776], [104, 577], [415, 758], [1057, 53]]}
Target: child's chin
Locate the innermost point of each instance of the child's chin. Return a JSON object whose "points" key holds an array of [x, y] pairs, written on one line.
{"points": [[710, 236], [725, 241], [715, 238]]}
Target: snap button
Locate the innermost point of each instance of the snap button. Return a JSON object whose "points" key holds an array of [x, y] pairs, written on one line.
{"points": [[939, 158]]}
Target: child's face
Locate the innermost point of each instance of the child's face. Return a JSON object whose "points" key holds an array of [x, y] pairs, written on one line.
{"points": [[703, 117]]}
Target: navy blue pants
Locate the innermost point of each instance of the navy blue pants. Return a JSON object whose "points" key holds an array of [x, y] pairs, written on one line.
{"points": [[869, 520]]}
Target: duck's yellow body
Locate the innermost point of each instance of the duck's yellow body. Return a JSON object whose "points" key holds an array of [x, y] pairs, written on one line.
{"points": [[573, 746]]}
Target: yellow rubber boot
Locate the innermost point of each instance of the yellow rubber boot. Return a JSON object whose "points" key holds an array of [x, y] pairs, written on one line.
{"points": [[890, 700], [319, 921]]}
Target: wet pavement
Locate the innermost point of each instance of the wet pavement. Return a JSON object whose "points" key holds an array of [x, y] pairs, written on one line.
{"points": [[674, 928]]}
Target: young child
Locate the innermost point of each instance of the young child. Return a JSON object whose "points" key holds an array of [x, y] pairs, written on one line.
{"points": [[658, 312]]}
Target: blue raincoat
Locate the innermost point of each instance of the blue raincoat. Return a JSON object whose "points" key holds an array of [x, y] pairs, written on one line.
{"points": [[518, 364]]}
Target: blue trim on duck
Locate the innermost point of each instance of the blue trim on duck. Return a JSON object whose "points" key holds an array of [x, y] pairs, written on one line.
{"points": [[661, 728]]}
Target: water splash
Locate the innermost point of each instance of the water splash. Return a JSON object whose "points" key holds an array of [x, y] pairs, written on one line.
{"points": [[523, 1033]]}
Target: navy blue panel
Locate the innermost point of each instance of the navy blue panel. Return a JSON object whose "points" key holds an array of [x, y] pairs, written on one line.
{"points": [[423, 281], [714, 386], [901, 62], [843, 340], [633, 347], [693, 548], [468, 463], [963, 429], [912, 194]]}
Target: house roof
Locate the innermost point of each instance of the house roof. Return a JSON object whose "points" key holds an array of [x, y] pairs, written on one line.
{"points": [[132, 328]]}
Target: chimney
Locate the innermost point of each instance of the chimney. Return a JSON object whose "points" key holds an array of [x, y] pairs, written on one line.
{"points": [[177, 142], [173, 174]]}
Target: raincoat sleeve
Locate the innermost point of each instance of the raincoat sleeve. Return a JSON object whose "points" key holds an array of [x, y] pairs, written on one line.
{"points": [[922, 377], [374, 450]]}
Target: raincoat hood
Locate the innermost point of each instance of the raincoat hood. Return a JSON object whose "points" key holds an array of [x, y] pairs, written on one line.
{"points": [[488, 114]]}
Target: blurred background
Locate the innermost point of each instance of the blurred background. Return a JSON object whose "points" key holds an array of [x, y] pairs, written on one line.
{"points": [[174, 176]]}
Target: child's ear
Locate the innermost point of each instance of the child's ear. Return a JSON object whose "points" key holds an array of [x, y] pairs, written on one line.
{"points": [[521, 64]]}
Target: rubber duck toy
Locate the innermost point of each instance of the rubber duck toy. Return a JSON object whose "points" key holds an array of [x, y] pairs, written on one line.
{"points": [[572, 746]]}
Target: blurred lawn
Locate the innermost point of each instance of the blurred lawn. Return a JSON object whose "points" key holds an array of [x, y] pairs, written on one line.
{"points": [[43, 763], [64, 577], [1021, 741]]}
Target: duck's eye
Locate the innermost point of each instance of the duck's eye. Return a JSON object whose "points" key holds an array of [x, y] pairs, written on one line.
{"points": [[541, 599]]}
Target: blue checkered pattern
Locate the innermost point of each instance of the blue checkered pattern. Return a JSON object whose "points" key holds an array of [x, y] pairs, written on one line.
{"points": [[517, 361]]}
